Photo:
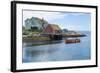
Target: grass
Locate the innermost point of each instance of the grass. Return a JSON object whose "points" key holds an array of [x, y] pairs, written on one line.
{"points": [[36, 38]]}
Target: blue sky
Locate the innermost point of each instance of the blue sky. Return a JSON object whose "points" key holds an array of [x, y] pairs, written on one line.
{"points": [[65, 20]]}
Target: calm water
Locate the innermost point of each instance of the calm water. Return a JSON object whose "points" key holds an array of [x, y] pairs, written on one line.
{"points": [[58, 51]]}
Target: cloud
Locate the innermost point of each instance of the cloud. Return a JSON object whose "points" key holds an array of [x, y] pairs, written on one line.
{"points": [[78, 13], [49, 16], [78, 27]]}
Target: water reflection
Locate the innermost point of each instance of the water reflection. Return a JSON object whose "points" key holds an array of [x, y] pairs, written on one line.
{"points": [[39, 43], [34, 52]]}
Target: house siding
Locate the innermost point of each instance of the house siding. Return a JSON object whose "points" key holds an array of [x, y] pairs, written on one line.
{"points": [[49, 29]]}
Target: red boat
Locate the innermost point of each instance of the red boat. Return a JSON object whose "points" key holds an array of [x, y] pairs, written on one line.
{"points": [[72, 41]]}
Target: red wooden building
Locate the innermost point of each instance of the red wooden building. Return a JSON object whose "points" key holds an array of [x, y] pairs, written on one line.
{"points": [[52, 29]]}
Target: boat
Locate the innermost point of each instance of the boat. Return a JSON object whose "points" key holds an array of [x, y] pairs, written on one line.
{"points": [[72, 41]]}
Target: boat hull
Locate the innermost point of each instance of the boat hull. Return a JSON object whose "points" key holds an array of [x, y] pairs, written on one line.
{"points": [[72, 41]]}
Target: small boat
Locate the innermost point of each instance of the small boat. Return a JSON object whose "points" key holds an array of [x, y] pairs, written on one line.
{"points": [[72, 41]]}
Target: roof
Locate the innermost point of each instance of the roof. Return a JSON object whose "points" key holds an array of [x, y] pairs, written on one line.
{"points": [[54, 26]]}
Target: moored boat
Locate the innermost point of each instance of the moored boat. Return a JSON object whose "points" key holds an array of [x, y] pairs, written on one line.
{"points": [[72, 41]]}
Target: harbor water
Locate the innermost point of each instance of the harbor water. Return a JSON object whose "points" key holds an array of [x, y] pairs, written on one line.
{"points": [[58, 50]]}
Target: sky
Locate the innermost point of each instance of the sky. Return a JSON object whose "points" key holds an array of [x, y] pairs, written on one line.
{"points": [[66, 20]]}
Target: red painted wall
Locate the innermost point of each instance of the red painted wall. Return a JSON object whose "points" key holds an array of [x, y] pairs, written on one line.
{"points": [[49, 29]]}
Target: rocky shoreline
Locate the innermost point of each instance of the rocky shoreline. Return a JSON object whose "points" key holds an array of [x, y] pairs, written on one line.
{"points": [[47, 38]]}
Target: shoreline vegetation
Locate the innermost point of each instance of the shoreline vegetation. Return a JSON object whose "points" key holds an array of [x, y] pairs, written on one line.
{"points": [[39, 38], [35, 39]]}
